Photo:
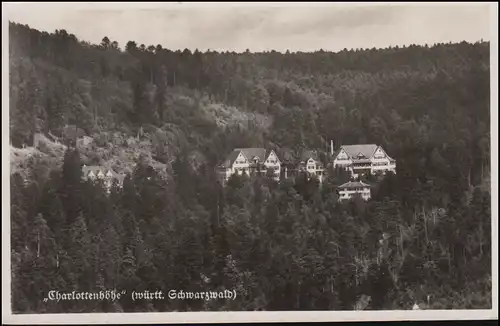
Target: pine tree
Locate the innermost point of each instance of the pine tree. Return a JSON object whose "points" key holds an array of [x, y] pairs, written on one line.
{"points": [[41, 238], [71, 184], [52, 207], [79, 251], [18, 213], [129, 281]]}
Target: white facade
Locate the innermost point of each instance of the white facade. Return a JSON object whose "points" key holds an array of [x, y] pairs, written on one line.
{"points": [[358, 159], [274, 163], [94, 173], [312, 167], [254, 161], [350, 189]]}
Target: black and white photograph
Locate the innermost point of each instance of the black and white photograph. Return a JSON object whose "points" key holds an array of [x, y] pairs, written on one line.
{"points": [[281, 161]]}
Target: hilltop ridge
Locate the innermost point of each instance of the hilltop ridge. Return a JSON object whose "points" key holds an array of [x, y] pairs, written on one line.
{"points": [[152, 113]]}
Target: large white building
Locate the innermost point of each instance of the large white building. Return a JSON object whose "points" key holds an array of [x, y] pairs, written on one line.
{"points": [[350, 189], [249, 161], [108, 176], [360, 159]]}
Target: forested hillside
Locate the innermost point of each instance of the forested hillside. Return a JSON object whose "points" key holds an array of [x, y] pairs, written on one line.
{"points": [[425, 237]]}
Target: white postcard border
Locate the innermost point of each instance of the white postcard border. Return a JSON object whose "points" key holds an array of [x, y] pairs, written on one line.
{"points": [[250, 317]]}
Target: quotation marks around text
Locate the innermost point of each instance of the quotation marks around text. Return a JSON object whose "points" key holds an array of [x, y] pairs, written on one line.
{"points": [[109, 295], [113, 295]]}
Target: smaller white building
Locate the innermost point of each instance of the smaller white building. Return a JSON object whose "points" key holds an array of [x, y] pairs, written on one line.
{"points": [[311, 164], [84, 141], [350, 189]]}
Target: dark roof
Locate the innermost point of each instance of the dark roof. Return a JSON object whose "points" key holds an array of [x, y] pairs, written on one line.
{"points": [[249, 153], [307, 154], [354, 184], [354, 150], [230, 159], [96, 168]]}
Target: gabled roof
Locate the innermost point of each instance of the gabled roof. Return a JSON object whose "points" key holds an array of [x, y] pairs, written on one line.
{"points": [[98, 168], [250, 153], [354, 150], [86, 169], [269, 151], [354, 184], [230, 159], [307, 154]]}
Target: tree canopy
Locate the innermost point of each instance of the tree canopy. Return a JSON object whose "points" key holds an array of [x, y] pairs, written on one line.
{"points": [[426, 232]]}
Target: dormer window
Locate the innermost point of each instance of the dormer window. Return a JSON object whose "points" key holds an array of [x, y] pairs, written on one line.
{"points": [[360, 155]]}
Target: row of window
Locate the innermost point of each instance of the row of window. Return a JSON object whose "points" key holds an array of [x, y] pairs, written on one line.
{"points": [[275, 168], [350, 195], [369, 165], [100, 175], [345, 159], [356, 189], [255, 161]]}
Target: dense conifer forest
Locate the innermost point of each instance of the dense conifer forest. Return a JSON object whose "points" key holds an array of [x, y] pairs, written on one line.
{"points": [[168, 117]]}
